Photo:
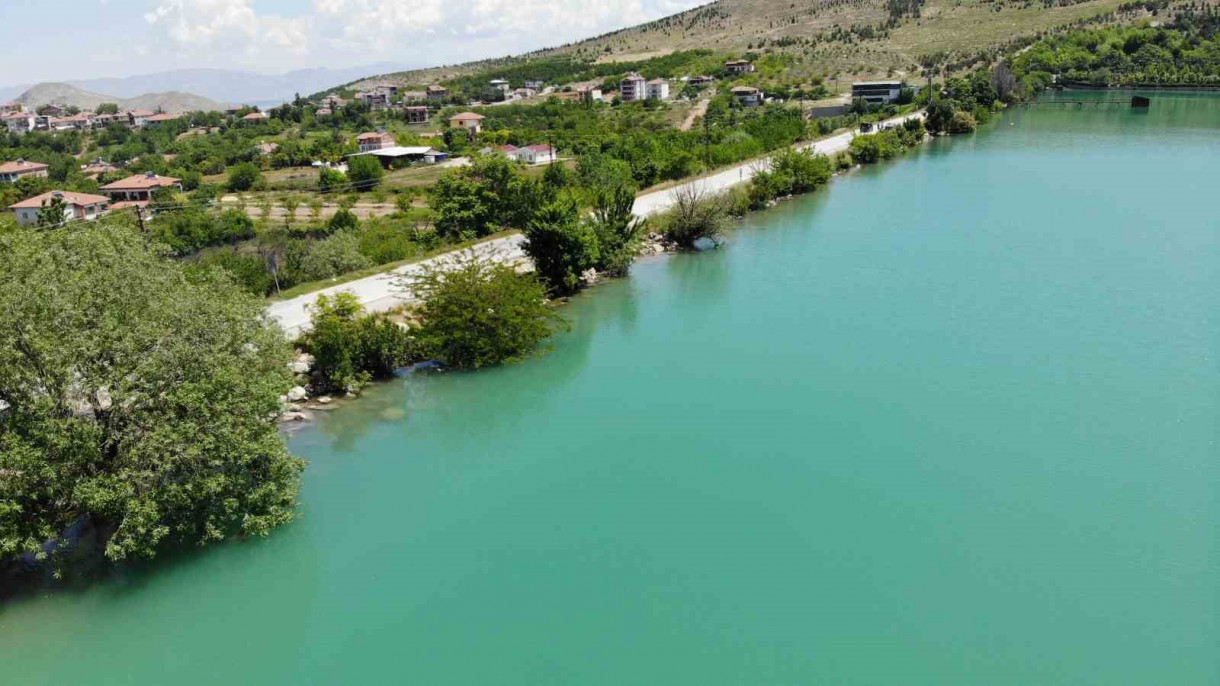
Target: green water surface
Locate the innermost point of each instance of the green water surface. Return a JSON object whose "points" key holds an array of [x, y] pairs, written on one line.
{"points": [[952, 421]]}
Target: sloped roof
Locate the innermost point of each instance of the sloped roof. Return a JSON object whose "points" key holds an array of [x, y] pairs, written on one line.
{"points": [[69, 198]]}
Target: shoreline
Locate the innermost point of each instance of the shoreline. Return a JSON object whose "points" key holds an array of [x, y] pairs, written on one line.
{"points": [[305, 409], [379, 292]]}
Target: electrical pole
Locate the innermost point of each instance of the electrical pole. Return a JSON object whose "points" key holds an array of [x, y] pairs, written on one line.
{"points": [[140, 218]]}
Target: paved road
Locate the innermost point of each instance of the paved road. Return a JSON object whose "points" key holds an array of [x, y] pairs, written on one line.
{"points": [[659, 201], [381, 292]]}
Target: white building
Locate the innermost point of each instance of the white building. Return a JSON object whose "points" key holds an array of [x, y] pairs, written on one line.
{"points": [[632, 87], [877, 92], [19, 122], [657, 89], [76, 206]]}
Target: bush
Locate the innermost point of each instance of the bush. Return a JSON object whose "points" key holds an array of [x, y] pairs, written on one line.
{"points": [[384, 241], [962, 122], [561, 245], [695, 215], [330, 179], [364, 172], [617, 230], [350, 347], [249, 271], [343, 220], [478, 313], [191, 229], [244, 177], [336, 255]]}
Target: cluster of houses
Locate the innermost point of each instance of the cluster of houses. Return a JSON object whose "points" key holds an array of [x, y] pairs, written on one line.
{"points": [[385, 97], [134, 191], [18, 119], [381, 145]]}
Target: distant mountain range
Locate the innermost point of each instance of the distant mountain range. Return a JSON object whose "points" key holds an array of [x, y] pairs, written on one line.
{"points": [[64, 94], [219, 85]]}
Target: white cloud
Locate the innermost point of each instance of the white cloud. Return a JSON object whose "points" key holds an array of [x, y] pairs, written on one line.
{"points": [[423, 31]]}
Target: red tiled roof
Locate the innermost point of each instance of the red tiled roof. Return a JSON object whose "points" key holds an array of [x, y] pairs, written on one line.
{"points": [[68, 196], [141, 113], [140, 182], [466, 116], [540, 148], [373, 136], [255, 115], [163, 117], [22, 166]]}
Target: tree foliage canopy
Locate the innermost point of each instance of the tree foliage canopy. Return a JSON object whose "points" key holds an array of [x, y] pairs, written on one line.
{"points": [[139, 401]]}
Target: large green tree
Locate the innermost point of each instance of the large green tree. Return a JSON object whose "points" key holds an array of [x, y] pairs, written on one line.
{"points": [[561, 245], [137, 401]]}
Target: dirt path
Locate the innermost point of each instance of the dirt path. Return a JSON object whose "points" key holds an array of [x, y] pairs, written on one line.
{"points": [[697, 111]]}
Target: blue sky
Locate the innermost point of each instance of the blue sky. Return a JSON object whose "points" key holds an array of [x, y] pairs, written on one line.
{"points": [[77, 39]]}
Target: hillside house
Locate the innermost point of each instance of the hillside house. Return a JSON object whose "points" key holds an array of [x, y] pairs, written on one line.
{"points": [[376, 100], [468, 120], [10, 172], [374, 140], [534, 84], [633, 87], [138, 118], [700, 80], [414, 96], [11, 106], [160, 118], [19, 122], [332, 102], [53, 110], [76, 206], [522, 93], [739, 66], [437, 93], [322, 113], [535, 154], [267, 148], [402, 153], [657, 89], [500, 85], [254, 118], [101, 121], [877, 92], [416, 114], [748, 95], [140, 187], [589, 94], [96, 168]]}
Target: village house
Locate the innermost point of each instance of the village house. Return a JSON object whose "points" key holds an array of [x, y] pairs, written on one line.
{"points": [[53, 110], [468, 120], [657, 89], [589, 94], [11, 106], [522, 93], [535, 154], [633, 87], [76, 206], [405, 154], [10, 172], [255, 118], [414, 96], [96, 168], [138, 118], [534, 84], [374, 140], [159, 118], [101, 121], [437, 92], [333, 102], [322, 113], [267, 148], [748, 95], [139, 188], [376, 100], [416, 114], [877, 92], [700, 80], [500, 85], [19, 122], [739, 66]]}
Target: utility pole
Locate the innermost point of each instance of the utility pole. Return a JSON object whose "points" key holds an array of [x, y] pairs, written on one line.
{"points": [[140, 218]]}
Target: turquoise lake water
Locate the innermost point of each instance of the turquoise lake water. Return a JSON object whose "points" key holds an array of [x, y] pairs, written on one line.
{"points": [[952, 420]]}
